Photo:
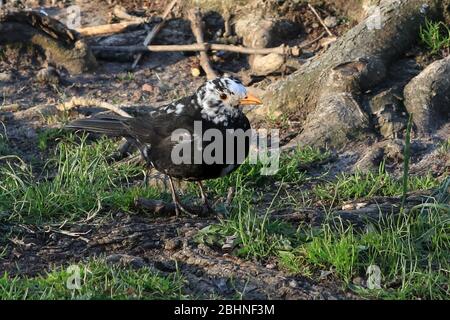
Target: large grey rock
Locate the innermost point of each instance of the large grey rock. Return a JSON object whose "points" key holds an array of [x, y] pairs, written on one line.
{"points": [[427, 97]]}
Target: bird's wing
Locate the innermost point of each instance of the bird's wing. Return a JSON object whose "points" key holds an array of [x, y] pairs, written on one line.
{"points": [[161, 124]]}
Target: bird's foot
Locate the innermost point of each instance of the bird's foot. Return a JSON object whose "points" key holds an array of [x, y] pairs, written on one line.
{"points": [[182, 210], [207, 209]]}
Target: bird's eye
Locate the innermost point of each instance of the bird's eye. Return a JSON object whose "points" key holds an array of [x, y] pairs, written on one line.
{"points": [[223, 96]]}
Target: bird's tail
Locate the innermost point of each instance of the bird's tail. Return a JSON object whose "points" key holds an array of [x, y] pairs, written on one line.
{"points": [[111, 126]]}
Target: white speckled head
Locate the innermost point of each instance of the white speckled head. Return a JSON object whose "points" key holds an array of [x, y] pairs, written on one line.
{"points": [[221, 96], [223, 92]]}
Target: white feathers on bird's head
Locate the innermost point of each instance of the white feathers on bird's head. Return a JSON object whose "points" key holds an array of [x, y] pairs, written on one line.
{"points": [[220, 98]]}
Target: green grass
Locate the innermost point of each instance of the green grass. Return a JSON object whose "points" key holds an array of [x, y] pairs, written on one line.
{"points": [[292, 169], [98, 280], [257, 236], [435, 36], [412, 251], [79, 183], [49, 137], [129, 76], [444, 147]]}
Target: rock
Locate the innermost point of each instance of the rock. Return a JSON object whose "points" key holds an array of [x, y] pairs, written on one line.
{"points": [[10, 107], [371, 160], [147, 87], [265, 65], [172, 244], [331, 21], [347, 122], [255, 32], [195, 72], [263, 32], [427, 97], [394, 149], [326, 42], [48, 75], [388, 110], [6, 77], [358, 281]]}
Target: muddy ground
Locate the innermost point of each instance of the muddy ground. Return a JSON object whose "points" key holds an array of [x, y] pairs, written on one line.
{"points": [[141, 239]]}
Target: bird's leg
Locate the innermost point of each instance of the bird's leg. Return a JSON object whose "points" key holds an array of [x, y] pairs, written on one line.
{"points": [[205, 201], [176, 201]]}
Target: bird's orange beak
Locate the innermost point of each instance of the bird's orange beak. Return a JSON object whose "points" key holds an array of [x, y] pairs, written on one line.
{"points": [[250, 99]]}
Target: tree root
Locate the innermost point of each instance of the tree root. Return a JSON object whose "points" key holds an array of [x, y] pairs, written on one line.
{"points": [[62, 46]]}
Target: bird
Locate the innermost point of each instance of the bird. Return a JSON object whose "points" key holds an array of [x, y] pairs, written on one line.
{"points": [[216, 105]]}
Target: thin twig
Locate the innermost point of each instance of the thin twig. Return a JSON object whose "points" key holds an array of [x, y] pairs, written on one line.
{"points": [[313, 41], [155, 31], [85, 102], [320, 20], [196, 26], [226, 21], [107, 28]]}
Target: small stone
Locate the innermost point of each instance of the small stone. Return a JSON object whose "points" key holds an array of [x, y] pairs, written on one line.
{"points": [[293, 284], [195, 72], [324, 274], [348, 206], [137, 95], [48, 75], [358, 281], [6, 77], [361, 205], [326, 42], [270, 266], [331, 21], [10, 107], [315, 25], [172, 244]]}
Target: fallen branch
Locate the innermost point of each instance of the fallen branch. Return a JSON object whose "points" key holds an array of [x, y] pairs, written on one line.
{"points": [[61, 46], [320, 20], [85, 102], [283, 49], [121, 13], [154, 31], [107, 28], [196, 26]]}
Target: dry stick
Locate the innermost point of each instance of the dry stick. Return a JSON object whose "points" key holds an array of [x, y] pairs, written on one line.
{"points": [[85, 102], [107, 28], [196, 26], [283, 50], [154, 31], [320, 20], [309, 43], [121, 13], [227, 21]]}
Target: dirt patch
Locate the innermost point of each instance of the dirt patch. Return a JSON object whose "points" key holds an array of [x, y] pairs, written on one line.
{"points": [[137, 241]]}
